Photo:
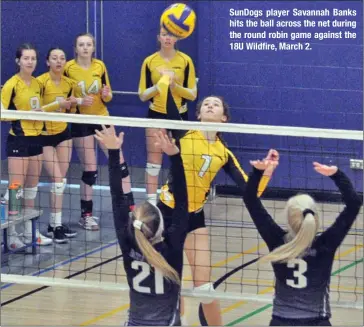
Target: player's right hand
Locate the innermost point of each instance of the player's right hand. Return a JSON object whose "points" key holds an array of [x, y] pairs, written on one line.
{"points": [[109, 138]]}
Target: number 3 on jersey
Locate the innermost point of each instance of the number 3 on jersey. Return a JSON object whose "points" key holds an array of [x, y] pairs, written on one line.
{"points": [[143, 274], [300, 267], [93, 89]]}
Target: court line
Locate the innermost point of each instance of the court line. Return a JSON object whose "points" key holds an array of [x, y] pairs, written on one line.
{"points": [[257, 311], [125, 307], [80, 256], [67, 277], [105, 315]]}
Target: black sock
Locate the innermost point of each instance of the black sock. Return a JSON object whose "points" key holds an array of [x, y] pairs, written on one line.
{"points": [[86, 208]]}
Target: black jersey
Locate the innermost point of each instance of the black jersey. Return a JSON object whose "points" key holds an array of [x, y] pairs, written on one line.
{"points": [[153, 299], [302, 285]]}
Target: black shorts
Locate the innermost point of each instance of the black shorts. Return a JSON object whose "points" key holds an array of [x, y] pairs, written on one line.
{"points": [[158, 115], [54, 140], [23, 146], [83, 130], [196, 219], [278, 321]]}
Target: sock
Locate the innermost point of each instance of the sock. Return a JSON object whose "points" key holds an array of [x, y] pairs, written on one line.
{"points": [[131, 200], [86, 208], [55, 219], [152, 198], [28, 228], [184, 321]]}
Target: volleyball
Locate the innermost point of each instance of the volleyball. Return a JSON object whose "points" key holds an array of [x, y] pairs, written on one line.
{"points": [[179, 20]]}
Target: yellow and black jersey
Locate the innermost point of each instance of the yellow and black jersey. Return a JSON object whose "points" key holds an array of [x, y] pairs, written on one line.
{"points": [[153, 87], [202, 160], [53, 92], [89, 82], [17, 95]]}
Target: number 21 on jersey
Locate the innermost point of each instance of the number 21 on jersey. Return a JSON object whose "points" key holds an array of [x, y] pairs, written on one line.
{"points": [[143, 274], [300, 267]]}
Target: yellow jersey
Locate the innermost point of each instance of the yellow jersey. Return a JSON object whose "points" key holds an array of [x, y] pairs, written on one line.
{"points": [[89, 82], [184, 71], [51, 93], [17, 95], [202, 161]]}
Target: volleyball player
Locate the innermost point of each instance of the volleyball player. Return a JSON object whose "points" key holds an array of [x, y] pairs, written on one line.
{"points": [[157, 69], [57, 91], [204, 154], [92, 84], [152, 255], [23, 145], [301, 259]]}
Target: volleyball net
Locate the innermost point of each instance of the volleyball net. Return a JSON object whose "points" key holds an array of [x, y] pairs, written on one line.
{"points": [[92, 259]]}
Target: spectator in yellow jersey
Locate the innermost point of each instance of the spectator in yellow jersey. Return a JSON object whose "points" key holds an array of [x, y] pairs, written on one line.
{"points": [[157, 69], [93, 86], [57, 91], [23, 145]]}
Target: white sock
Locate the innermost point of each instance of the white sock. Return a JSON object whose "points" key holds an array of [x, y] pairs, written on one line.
{"points": [[56, 219], [28, 228], [184, 321], [152, 198], [11, 230]]}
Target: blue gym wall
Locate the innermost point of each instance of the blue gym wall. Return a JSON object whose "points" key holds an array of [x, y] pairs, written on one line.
{"points": [[321, 88]]}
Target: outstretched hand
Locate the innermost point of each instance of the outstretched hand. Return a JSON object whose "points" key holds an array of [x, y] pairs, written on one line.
{"points": [[269, 163], [163, 142], [264, 164], [109, 138], [324, 170]]}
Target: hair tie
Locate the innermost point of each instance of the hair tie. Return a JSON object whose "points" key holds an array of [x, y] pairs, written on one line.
{"points": [[307, 211], [138, 224]]}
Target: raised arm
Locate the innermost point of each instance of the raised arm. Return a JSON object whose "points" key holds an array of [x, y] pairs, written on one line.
{"points": [[269, 230], [173, 114], [176, 233], [120, 202], [188, 90], [335, 234], [237, 174]]}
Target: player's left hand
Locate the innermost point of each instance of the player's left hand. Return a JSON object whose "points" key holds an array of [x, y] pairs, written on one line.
{"points": [[165, 143], [105, 91], [324, 170], [109, 138], [264, 164]]}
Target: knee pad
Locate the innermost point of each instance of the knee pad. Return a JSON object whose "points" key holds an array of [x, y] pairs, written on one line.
{"points": [[89, 177], [58, 188], [124, 170], [30, 193], [208, 287], [153, 169]]}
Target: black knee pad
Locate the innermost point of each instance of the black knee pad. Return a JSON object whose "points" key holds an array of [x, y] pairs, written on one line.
{"points": [[124, 170], [89, 177]]}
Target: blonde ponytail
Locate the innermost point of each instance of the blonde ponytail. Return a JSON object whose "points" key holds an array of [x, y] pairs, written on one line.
{"points": [[155, 259], [303, 226]]}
